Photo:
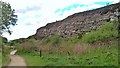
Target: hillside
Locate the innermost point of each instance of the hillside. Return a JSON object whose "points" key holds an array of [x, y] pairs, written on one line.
{"points": [[80, 23], [87, 38]]}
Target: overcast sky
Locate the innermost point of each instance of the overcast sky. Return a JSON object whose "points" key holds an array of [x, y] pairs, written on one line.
{"points": [[32, 14]]}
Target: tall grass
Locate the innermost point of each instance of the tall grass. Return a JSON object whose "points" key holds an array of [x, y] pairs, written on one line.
{"points": [[0, 58], [5, 58], [103, 56]]}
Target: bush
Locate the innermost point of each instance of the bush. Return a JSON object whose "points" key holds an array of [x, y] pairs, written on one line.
{"points": [[27, 47], [108, 30], [54, 40]]}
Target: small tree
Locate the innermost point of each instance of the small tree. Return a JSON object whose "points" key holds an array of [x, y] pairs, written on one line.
{"points": [[7, 17]]}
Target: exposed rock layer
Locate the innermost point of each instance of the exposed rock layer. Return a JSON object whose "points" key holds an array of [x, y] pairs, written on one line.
{"points": [[80, 23]]}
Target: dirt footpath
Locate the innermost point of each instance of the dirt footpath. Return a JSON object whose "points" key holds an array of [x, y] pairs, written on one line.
{"points": [[16, 61]]}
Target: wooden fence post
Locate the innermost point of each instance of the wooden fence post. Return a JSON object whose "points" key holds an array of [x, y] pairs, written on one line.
{"points": [[68, 53], [40, 53]]}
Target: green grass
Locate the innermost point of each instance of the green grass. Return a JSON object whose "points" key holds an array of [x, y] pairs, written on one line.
{"points": [[108, 30], [0, 59], [103, 56], [5, 60]]}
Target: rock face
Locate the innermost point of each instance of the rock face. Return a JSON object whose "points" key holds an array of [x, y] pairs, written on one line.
{"points": [[80, 23]]}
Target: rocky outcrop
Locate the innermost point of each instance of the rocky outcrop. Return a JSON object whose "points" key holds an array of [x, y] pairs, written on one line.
{"points": [[80, 23]]}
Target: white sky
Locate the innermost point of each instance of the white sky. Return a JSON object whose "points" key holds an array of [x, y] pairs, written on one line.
{"points": [[32, 14]]}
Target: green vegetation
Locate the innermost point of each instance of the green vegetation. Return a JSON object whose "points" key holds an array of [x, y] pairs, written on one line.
{"points": [[57, 40], [0, 59], [93, 57], [105, 56], [108, 30], [101, 53], [4, 51], [7, 16], [54, 40], [5, 60]]}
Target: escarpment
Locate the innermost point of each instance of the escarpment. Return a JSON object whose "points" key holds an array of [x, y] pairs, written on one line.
{"points": [[82, 22]]}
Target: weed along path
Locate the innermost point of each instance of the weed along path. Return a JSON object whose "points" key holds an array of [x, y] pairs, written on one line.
{"points": [[16, 60]]}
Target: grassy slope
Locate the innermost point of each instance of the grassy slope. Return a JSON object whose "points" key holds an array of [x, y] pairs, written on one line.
{"points": [[108, 30], [106, 55], [103, 56], [0, 59]]}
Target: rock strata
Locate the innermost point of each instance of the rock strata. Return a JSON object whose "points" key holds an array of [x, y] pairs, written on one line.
{"points": [[80, 23]]}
